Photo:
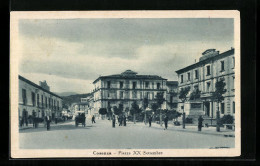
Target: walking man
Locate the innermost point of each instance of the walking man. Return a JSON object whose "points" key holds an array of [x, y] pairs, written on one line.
{"points": [[200, 120], [113, 121], [120, 120], [150, 120], [124, 118], [48, 122], [93, 119], [166, 122]]}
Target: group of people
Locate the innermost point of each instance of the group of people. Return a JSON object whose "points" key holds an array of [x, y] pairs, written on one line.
{"points": [[166, 119], [121, 120]]}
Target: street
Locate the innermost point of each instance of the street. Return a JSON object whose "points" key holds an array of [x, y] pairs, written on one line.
{"points": [[101, 135]]}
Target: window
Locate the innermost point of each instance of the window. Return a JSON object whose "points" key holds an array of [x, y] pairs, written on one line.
{"points": [[134, 85], [208, 86], [121, 95], [152, 85], [24, 96], [33, 98], [146, 84], [188, 76], [222, 108], [181, 78], [108, 84], [55, 104], [233, 106], [38, 100], [208, 70], [42, 100], [222, 66], [171, 99], [108, 95], [49, 102], [134, 94], [147, 95], [158, 85], [152, 95], [121, 85], [46, 102], [58, 105], [196, 74]]}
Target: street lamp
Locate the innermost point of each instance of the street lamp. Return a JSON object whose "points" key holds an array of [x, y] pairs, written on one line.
{"points": [[147, 109]]}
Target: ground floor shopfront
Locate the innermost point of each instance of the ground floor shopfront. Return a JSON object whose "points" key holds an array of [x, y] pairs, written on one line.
{"points": [[27, 113], [208, 108]]}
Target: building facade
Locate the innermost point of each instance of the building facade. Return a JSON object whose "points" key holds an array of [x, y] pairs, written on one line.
{"points": [[35, 100], [172, 95], [126, 88], [202, 76]]}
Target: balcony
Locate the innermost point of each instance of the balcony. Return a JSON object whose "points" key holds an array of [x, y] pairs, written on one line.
{"points": [[206, 94]]}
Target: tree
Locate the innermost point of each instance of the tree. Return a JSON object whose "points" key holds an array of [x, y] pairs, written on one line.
{"points": [[145, 105], [160, 99], [218, 97], [116, 110], [195, 95], [135, 109], [103, 111], [183, 97], [120, 108]]}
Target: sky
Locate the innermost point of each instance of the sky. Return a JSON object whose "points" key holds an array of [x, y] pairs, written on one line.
{"points": [[71, 53]]}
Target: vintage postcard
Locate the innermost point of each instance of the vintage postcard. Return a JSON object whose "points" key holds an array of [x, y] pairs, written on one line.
{"points": [[125, 84]]}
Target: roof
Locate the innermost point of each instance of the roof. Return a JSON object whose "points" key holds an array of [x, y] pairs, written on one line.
{"points": [[128, 74], [37, 86], [224, 54]]}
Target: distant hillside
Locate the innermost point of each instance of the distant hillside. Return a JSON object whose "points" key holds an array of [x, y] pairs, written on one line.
{"points": [[68, 100], [65, 93]]}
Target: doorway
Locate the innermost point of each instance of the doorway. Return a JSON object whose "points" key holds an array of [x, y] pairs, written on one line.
{"points": [[207, 108]]}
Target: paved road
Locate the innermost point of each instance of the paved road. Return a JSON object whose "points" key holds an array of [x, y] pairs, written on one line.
{"points": [[101, 135]]}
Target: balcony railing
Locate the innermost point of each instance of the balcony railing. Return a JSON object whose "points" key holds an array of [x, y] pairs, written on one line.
{"points": [[206, 94]]}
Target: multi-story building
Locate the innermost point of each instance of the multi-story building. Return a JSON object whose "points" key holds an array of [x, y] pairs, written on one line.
{"points": [[86, 105], [37, 100], [126, 88], [202, 77], [171, 95]]}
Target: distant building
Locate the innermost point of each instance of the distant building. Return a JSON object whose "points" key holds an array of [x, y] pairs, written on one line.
{"points": [[126, 88], [38, 101], [172, 94], [86, 105], [202, 76]]}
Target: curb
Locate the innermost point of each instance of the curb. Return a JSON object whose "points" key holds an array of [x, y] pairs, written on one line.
{"points": [[191, 131]]}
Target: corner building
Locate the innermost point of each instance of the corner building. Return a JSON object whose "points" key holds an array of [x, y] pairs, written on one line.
{"points": [[38, 100], [203, 76], [126, 88]]}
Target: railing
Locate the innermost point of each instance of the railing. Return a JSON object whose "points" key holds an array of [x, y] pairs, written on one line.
{"points": [[206, 94]]}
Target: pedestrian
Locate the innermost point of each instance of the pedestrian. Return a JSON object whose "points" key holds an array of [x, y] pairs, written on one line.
{"points": [[124, 119], [166, 122], [93, 119], [150, 120], [113, 121], [200, 120], [120, 120], [48, 121], [56, 120]]}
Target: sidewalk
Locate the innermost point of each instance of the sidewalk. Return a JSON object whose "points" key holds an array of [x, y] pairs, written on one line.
{"points": [[192, 129], [41, 125]]}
